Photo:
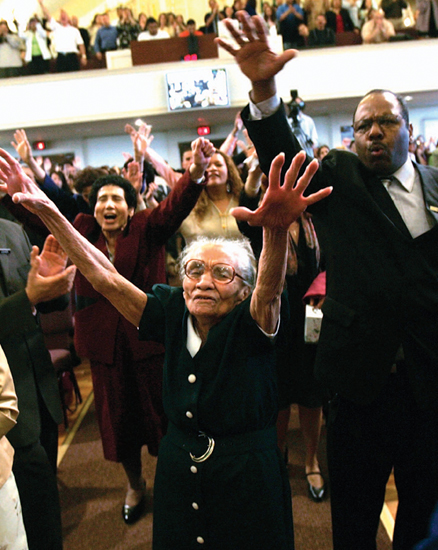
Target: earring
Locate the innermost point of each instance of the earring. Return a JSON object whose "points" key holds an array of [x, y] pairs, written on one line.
{"points": [[228, 188]]}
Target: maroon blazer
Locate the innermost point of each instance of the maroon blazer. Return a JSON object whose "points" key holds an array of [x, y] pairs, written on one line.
{"points": [[140, 257]]}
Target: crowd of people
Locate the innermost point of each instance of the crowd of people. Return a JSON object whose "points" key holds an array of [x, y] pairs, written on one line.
{"points": [[301, 23], [190, 304], [127, 218], [314, 23]]}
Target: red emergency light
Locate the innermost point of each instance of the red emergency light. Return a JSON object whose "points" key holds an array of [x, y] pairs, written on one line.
{"points": [[204, 130], [39, 145]]}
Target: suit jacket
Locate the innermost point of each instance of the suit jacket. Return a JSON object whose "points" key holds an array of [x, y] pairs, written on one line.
{"points": [[382, 286], [318, 38], [140, 257], [331, 20], [22, 340]]}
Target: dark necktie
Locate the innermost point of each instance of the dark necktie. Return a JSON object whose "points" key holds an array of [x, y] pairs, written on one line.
{"points": [[378, 190]]}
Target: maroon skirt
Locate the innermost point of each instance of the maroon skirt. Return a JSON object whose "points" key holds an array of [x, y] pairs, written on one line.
{"points": [[128, 400]]}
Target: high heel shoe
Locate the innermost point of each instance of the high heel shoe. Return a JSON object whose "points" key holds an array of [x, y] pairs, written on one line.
{"points": [[316, 494]]}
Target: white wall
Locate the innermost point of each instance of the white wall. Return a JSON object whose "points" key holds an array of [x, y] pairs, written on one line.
{"points": [[92, 96], [105, 95], [108, 150]]}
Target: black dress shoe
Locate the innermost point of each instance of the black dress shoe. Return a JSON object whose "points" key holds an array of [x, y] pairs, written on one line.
{"points": [[315, 494], [131, 514]]}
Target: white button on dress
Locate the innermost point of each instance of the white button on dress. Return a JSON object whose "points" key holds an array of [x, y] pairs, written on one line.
{"points": [[192, 378], [194, 469], [189, 414], [195, 506], [200, 540]]}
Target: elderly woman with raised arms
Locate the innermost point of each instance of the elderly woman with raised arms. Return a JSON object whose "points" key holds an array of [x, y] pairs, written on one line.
{"points": [[220, 481]]}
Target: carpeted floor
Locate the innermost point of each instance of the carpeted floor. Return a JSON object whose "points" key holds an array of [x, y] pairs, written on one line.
{"points": [[92, 492]]}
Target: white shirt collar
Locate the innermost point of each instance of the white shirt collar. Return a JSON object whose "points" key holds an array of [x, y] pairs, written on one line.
{"points": [[406, 175], [194, 342]]}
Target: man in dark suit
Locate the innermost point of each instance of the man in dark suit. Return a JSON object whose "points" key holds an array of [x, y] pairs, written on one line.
{"points": [[23, 286], [378, 348], [321, 35]]}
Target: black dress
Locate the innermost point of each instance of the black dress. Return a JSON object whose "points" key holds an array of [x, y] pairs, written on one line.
{"points": [[296, 360], [240, 496]]}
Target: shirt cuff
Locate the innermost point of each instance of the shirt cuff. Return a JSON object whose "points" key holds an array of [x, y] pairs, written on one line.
{"points": [[271, 336], [265, 108]]}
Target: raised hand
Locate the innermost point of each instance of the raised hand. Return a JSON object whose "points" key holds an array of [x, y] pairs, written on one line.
{"points": [[21, 188], [22, 146], [132, 132], [149, 196], [134, 175], [150, 191], [48, 279], [247, 146], [283, 204], [238, 122], [203, 150], [53, 259], [255, 58], [141, 139]]}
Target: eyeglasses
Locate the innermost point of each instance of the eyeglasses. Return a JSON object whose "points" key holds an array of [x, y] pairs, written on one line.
{"points": [[221, 273], [387, 122]]}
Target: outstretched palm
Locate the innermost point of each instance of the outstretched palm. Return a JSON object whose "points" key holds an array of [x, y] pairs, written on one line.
{"points": [[53, 258], [22, 146], [255, 58], [283, 204], [141, 138], [17, 184]]}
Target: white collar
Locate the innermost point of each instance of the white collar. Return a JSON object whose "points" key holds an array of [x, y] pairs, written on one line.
{"points": [[194, 342], [406, 175]]}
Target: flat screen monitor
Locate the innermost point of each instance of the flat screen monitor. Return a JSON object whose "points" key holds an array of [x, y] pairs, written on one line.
{"points": [[196, 89]]}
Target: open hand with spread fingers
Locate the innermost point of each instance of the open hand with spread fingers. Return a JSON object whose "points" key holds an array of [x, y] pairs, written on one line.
{"points": [[283, 204], [18, 185], [256, 59]]}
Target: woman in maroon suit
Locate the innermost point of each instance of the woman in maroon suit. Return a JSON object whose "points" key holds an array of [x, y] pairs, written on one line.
{"points": [[127, 373]]}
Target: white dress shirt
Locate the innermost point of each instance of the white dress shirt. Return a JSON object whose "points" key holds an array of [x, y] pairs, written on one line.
{"points": [[406, 192]]}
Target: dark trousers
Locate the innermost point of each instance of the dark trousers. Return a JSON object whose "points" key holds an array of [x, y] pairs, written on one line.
{"points": [[364, 443], [38, 65], [67, 62], [39, 497], [34, 469]]}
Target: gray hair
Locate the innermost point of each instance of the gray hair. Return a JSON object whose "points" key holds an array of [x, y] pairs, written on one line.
{"points": [[239, 248]]}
